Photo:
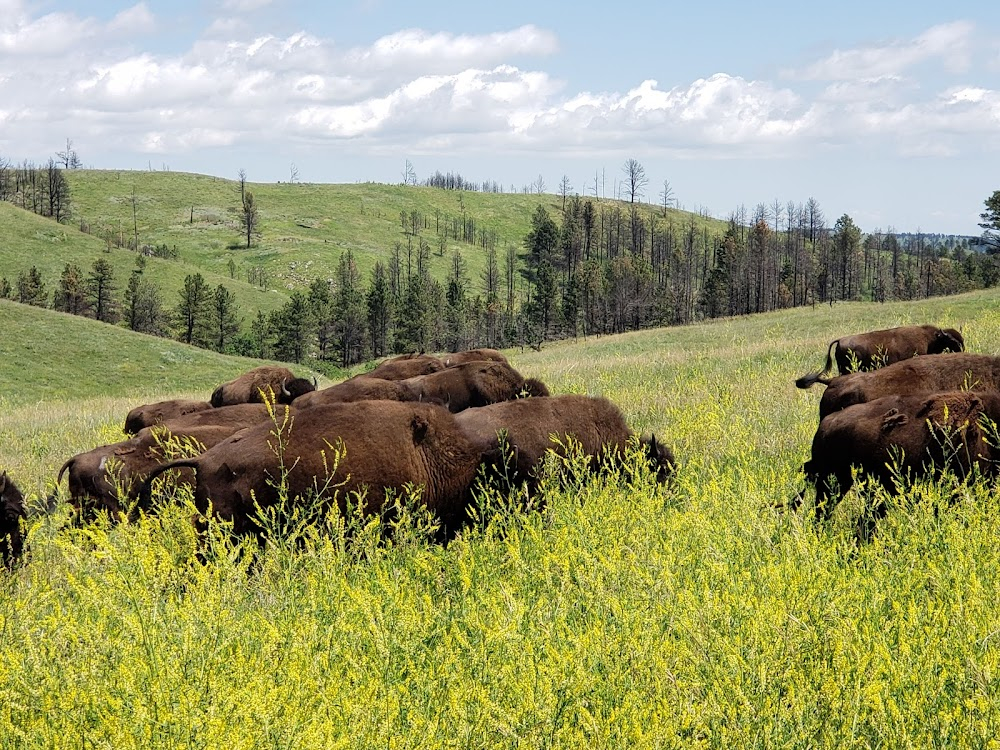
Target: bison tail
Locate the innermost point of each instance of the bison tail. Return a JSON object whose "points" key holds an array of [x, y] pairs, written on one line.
{"points": [[62, 470], [535, 387], [808, 381], [146, 491]]}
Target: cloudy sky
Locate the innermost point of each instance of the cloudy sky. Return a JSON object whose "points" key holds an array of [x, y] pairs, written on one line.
{"points": [[888, 111]]}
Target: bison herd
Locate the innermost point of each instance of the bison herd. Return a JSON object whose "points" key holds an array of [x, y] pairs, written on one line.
{"points": [[414, 423], [419, 421]]}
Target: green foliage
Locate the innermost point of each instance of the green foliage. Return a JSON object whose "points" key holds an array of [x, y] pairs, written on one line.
{"points": [[31, 288], [990, 221]]}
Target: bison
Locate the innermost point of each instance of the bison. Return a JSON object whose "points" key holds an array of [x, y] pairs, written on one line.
{"points": [[11, 515], [530, 425], [474, 384], [405, 366], [945, 372], [98, 476], [359, 388], [903, 433], [473, 355], [152, 414], [264, 381], [387, 446], [235, 417], [879, 348]]}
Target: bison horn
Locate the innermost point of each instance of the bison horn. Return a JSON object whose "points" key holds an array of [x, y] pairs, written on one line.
{"points": [[315, 382], [284, 389]]}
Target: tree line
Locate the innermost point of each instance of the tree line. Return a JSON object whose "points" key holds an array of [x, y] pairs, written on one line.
{"points": [[592, 267]]}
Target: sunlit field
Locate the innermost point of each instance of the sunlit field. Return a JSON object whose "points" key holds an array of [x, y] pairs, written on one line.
{"points": [[618, 613]]}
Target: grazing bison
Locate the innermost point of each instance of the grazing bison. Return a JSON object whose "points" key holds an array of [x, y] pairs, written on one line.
{"points": [[359, 388], [235, 417], [405, 366], [945, 372], [96, 476], [473, 355], [11, 514], [880, 348], [900, 434], [531, 424], [252, 386], [388, 445], [474, 384], [152, 414]]}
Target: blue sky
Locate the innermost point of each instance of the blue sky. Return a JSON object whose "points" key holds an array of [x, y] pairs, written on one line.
{"points": [[886, 111]]}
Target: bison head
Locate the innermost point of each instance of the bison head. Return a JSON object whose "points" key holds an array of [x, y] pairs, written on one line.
{"points": [[945, 340], [292, 389]]}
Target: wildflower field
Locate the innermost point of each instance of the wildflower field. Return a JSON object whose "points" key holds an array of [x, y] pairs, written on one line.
{"points": [[620, 614]]}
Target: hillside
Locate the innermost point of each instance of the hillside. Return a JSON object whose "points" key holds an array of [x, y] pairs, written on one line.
{"points": [[27, 240], [618, 613], [304, 227]]}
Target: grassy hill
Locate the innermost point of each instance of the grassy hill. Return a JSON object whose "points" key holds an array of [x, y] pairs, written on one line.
{"points": [[304, 227], [620, 615], [28, 240]]}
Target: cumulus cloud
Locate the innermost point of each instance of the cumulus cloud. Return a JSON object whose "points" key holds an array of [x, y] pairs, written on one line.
{"points": [[429, 92], [949, 43]]}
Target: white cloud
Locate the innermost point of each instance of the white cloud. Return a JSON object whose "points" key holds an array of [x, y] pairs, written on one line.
{"points": [[244, 6], [949, 43]]}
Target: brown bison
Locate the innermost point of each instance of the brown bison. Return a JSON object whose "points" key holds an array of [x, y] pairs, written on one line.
{"points": [[96, 477], [11, 514], [251, 387], [152, 414], [880, 348], [405, 366], [534, 425], [945, 372], [359, 388], [388, 446], [474, 384], [473, 355], [235, 417], [902, 434]]}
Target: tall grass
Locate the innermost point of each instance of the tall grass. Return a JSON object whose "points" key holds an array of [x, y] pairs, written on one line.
{"points": [[620, 614]]}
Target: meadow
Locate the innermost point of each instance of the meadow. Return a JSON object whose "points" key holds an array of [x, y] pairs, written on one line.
{"points": [[620, 614]]}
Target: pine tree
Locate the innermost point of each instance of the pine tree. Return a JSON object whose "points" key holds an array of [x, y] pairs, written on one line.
{"points": [[456, 316], [292, 329], [379, 304], [192, 311], [321, 306], [349, 311], [71, 294], [101, 290], [225, 320], [31, 288], [143, 303]]}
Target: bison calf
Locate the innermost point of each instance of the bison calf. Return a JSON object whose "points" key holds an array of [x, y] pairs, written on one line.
{"points": [[11, 515], [901, 434]]}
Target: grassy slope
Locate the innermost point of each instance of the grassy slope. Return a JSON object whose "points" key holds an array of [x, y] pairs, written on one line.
{"points": [[304, 227], [28, 240], [625, 615]]}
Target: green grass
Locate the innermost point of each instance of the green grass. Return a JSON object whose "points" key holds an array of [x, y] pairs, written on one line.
{"points": [[623, 615], [28, 240], [304, 227]]}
